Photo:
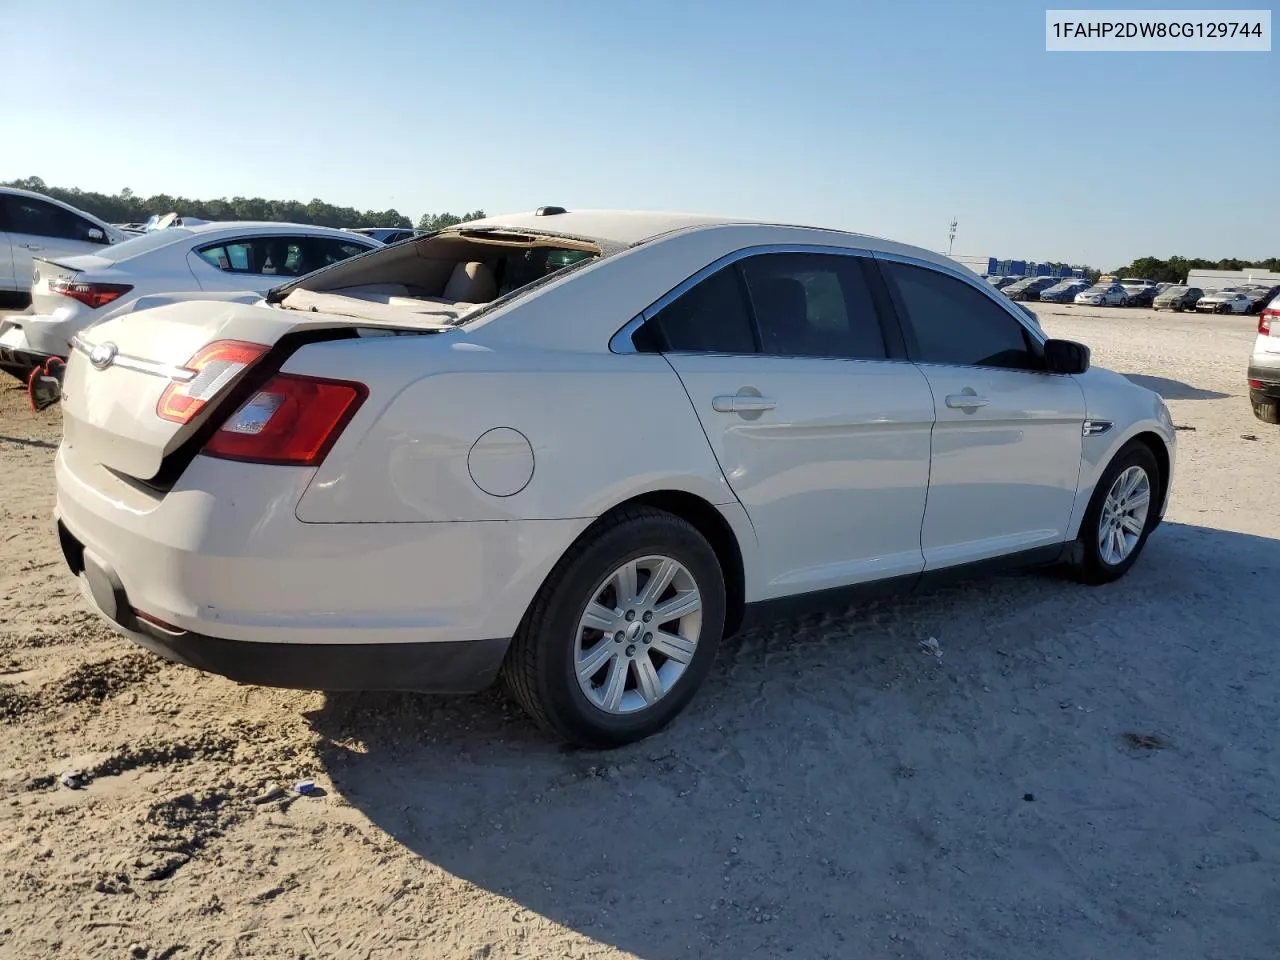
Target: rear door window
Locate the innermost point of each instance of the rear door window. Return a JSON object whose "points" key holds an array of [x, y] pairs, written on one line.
{"points": [[326, 250], [813, 305], [229, 257], [42, 219], [712, 317], [278, 256]]}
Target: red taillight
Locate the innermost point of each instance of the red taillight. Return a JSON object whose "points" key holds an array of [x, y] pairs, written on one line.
{"points": [[214, 366], [1265, 319], [92, 295], [292, 420], [1255, 384]]}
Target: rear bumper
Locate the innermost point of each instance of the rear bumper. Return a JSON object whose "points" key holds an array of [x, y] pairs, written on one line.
{"points": [[448, 667], [17, 354], [227, 579], [1266, 374], [46, 336], [460, 667]]}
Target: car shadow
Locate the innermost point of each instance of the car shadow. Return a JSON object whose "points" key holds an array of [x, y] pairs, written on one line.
{"points": [[839, 788], [27, 442], [1174, 389]]}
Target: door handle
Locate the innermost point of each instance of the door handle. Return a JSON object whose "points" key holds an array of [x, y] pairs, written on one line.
{"points": [[30, 246], [741, 403], [966, 401]]}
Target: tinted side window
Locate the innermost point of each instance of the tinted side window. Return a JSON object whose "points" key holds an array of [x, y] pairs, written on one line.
{"points": [[710, 318], [327, 250], [230, 257], [28, 215], [956, 324], [278, 256], [813, 305]]}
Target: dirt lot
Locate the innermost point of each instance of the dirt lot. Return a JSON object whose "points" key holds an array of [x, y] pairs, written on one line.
{"points": [[1084, 773]]}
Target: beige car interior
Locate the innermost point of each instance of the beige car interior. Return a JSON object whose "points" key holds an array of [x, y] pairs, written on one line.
{"points": [[437, 280]]}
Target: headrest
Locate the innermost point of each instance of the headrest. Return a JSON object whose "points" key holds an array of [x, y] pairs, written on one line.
{"points": [[471, 283]]}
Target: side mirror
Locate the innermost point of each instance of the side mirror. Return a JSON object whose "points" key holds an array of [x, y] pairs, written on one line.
{"points": [[1066, 356], [96, 236]]}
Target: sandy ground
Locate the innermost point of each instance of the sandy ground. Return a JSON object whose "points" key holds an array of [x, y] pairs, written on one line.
{"points": [[834, 791]]}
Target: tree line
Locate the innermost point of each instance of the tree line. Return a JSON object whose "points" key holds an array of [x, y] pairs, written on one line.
{"points": [[128, 207], [1174, 270]]}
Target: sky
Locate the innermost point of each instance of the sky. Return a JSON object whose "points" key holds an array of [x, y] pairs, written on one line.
{"points": [[888, 118]]}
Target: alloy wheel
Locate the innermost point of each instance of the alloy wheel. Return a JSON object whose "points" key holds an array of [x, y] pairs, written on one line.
{"points": [[1124, 515], [638, 634]]}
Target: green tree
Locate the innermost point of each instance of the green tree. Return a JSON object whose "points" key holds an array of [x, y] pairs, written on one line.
{"points": [[1175, 269], [127, 207], [438, 221]]}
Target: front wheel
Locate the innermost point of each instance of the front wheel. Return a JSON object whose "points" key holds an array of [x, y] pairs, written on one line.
{"points": [[622, 633], [1120, 517]]}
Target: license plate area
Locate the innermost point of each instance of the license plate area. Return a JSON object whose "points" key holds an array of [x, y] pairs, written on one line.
{"points": [[97, 579]]}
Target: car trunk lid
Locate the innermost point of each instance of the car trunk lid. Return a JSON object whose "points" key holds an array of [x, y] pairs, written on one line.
{"points": [[44, 300], [119, 371]]}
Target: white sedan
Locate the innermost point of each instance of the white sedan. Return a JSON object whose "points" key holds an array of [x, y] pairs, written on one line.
{"points": [[575, 450], [1224, 301], [33, 225], [68, 293]]}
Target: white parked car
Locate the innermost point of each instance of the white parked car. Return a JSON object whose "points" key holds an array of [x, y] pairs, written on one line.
{"points": [[576, 449], [1264, 365], [33, 225], [1103, 295], [70, 293], [1224, 301]]}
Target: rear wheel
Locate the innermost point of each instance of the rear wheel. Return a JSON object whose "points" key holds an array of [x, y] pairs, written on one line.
{"points": [[1120, 516], [1268, 411], [623, 631]]}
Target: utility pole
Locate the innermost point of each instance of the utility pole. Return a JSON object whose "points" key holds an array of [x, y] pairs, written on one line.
{"points": [[951, 235]]}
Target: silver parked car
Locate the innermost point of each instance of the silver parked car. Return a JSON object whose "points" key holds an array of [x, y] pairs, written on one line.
{"points": [[1104, 295]]}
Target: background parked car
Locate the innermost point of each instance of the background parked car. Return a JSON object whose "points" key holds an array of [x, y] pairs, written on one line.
{"points": [[1177, 298], [1141, 292], [1259, 296], [1001, 282], [32, 225], [70, 293], [1224, 301], [163, 221], [1028, 289], [1064, 291], [387, 234], [1162, 287], [1104, 295], [1264, 365]]}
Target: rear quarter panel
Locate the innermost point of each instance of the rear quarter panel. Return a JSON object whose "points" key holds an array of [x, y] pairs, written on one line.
{"points": [[600, 428]]}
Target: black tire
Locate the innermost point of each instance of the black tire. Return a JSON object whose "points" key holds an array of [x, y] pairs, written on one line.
{"points": [[21, 374], [539, 668], [1087, 562], [1268, 411]]}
